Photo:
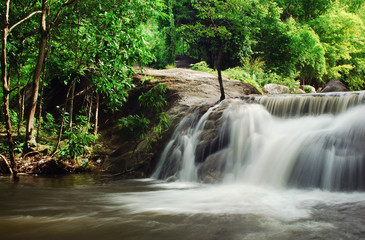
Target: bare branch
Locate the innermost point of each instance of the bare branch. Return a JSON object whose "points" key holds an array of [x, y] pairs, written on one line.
{"points": [[29, 34], [24, 19], [67, 3]]}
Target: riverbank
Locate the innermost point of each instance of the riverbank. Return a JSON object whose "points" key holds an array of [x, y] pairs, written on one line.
{"points": [[186, 89]]}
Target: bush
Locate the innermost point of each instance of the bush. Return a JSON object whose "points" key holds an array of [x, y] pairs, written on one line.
{"points": [[137, 126], [202, 66], [77, 139]]}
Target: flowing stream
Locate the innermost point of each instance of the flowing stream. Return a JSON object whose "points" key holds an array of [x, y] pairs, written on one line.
{"points": [[243, 169]]}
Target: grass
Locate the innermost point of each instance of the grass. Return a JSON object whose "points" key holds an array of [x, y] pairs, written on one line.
{"points": [[252, 71]]}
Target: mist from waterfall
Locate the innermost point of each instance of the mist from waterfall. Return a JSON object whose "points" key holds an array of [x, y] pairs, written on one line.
{"points": [[317, 142]]}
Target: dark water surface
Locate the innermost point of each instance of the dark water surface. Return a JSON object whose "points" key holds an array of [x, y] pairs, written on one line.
{"points": [[96, 207]]}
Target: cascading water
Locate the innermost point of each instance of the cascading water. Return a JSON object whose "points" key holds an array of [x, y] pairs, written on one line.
{"points": [[289, 105], [317, 142], [260, 159]]}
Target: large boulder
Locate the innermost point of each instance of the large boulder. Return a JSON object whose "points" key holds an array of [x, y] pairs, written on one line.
{"points": [[275, 89], [212, 169], [187, 89], [334, 86]]}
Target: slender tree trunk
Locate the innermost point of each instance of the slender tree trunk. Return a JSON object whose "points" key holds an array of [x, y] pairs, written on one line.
{"points": [[90, 97], [23, 104], [219, 68], [30, 139], [71, 110], [40, 109], [96, 114], [20, 119], [6, 92], [39, 117], [62, 121], [172, 33]]}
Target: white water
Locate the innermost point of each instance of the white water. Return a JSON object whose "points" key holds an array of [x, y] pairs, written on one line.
{"points": [[322, 151], [92, 207], [289, 105], [279, 180]]}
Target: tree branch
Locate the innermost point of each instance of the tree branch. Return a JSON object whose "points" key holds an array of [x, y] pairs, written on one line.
{"points": [[29, 34], [24, 19], [67, 3]]}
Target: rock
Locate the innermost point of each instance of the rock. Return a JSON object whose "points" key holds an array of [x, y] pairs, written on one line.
{"points": [[212, 169], [334, 86], [275, 89], [299, 91], [188, 90]]}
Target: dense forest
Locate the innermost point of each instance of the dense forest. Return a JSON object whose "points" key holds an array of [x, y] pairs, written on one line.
{"points": [[56, 50]]}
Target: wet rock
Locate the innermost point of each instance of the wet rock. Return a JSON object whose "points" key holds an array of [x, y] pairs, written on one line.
{"points": [[299, 91], [171, 179], [334, 86], [212, 169], [275, 89], [193, 91]]}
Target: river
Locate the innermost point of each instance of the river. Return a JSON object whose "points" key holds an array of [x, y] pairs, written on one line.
{"points": [[292, 167], [100, 207]]}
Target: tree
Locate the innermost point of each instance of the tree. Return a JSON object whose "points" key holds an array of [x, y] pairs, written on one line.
{"points": [[303, 10], [30, 140], [227, 31], [6, 83], [341, 34]]}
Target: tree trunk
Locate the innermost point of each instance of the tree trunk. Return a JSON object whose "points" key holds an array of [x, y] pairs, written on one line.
{"points": [[30, 139], [96, 114], [90, 98], [62, 121], [71, 110], [6, 92], [40, 109], [39, 117], [20, 118], [172, 33], [220, 80]]}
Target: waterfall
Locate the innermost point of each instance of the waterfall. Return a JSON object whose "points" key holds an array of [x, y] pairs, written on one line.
{"points": [[289, 105], [308, 141]]}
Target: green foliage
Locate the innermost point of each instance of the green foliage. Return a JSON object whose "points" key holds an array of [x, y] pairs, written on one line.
{"points": [[341, 34], [138, 126], [308, 53], [154, 99], [13, 117], [307, 89], [77, 139], [304, 10], [253, 72], [202, 66], [134, 125], [49, 123]]}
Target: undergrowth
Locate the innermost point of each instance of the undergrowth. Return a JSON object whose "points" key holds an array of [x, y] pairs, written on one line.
{"points": [[252, 71]]}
